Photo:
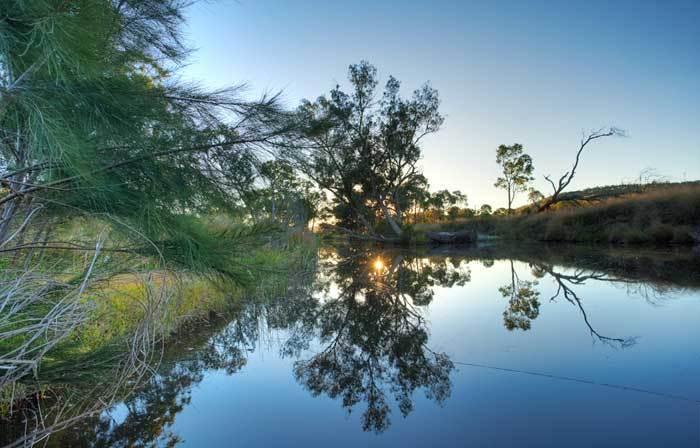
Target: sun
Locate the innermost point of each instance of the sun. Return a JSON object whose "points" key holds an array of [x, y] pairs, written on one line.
{"points": [[378, 264]]}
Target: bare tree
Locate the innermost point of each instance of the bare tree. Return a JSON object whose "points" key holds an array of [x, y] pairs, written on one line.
{"points": [[568, 176]]}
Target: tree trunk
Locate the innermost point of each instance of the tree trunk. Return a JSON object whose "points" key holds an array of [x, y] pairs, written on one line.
{"points": [[510, 200], [394, 225]]}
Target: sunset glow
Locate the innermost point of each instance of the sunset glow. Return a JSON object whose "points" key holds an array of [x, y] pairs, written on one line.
{"points": [[378, 264]]}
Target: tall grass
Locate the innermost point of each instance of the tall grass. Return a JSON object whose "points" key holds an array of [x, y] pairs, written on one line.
{"points": [[661, 216]]}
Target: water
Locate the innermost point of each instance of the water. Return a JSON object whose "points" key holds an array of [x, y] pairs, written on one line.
{"points": [[497, 346]]}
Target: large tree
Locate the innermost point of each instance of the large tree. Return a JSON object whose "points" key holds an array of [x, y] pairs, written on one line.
{"points": [[364, 150], [284, 197], [517, 171], [95, 130], [93, 124]]}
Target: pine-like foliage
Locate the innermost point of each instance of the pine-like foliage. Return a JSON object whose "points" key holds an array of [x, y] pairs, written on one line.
{"points": [[93, 122]]}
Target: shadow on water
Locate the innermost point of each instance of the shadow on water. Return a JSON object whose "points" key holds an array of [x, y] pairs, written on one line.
{"points": [[357, 333]]}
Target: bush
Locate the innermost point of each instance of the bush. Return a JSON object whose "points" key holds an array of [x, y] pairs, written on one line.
{"points": [[555, 230], [681, 235], [661, 233], [635, 236]]}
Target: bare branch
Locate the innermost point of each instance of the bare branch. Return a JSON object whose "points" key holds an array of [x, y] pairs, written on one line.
{"points": [[568, 176]]}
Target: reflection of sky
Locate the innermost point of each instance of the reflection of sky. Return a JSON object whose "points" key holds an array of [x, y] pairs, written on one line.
{"points": [[117, 414], [263, 405], [508, 71]]}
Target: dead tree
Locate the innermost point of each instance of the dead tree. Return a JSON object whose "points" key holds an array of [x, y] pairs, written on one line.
{"points": [[568, 176]]}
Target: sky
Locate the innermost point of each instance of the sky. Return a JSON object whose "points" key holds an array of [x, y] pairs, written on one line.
{"points": [[532, 72]]}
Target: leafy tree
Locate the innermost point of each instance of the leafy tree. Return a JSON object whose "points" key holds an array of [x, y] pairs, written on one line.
{"points": [[93, 124], [485, 210], [365, 151], [534, 196], [285, 198], [373, 337], [445, 202], [517, 170], [453, 213], [469, 212], [523, 302]]}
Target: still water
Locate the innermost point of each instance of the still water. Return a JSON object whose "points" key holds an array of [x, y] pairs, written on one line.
{"points": [[491, 346]]}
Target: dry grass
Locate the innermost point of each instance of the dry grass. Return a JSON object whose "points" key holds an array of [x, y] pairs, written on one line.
{"points": [[668, 215]]}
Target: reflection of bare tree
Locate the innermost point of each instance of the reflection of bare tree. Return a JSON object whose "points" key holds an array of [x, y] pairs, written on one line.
{"points": [[365, 309], [523, 298], [565, 288], [375, 336]]}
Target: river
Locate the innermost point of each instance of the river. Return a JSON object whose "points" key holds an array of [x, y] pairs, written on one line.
{"points": [[498, 346]]}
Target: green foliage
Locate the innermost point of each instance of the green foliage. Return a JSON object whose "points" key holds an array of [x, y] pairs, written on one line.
{"points": [[534, 197], [286, 198], [365, 151], [96, 130], [94, 124], [517, 170]]}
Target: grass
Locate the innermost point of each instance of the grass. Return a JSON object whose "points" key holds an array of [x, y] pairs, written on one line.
{"points": [[165, 301], [668, 215], [122, 304]]}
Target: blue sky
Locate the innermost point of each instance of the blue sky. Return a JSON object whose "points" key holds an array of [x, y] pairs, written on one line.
{"points": [[536, 73]]}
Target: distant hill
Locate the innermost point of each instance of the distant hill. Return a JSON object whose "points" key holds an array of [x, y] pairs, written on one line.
{"points": [[590, 196], [651, 213], [612, 191]]}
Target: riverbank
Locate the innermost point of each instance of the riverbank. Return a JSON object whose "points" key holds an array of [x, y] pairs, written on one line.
{"points": [[306, 342], [666, 216], [127, 320]]}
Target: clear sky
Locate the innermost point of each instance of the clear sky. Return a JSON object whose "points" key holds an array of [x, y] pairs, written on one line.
{"points": [[536, 73]]}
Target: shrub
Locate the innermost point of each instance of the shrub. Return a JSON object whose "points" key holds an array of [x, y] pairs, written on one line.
{"points": [[661, 233], [635, 236], [681, 235]]}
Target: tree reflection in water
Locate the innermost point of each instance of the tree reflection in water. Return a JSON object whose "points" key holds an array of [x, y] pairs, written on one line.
{"points": [[358, 333], [523, 302], [523, 298], [149, 408], [375, 336]]}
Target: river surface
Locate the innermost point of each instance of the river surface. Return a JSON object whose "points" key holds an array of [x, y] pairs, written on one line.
{"points": [[543, 346]]}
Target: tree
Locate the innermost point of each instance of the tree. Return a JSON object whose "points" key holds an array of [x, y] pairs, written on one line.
{"points": [[94, 126], [567, 177], [373, 347], [365, 152], [534, 196], [485, 210], [523, 302], [446, 201], [285, 198], [517, 170]]}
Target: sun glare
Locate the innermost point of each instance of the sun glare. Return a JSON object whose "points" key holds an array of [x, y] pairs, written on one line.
{"points": [[378, 264]]}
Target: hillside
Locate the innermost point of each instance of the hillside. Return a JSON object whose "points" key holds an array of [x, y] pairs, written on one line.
{"points": [[601, 193], [667, 213]]}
